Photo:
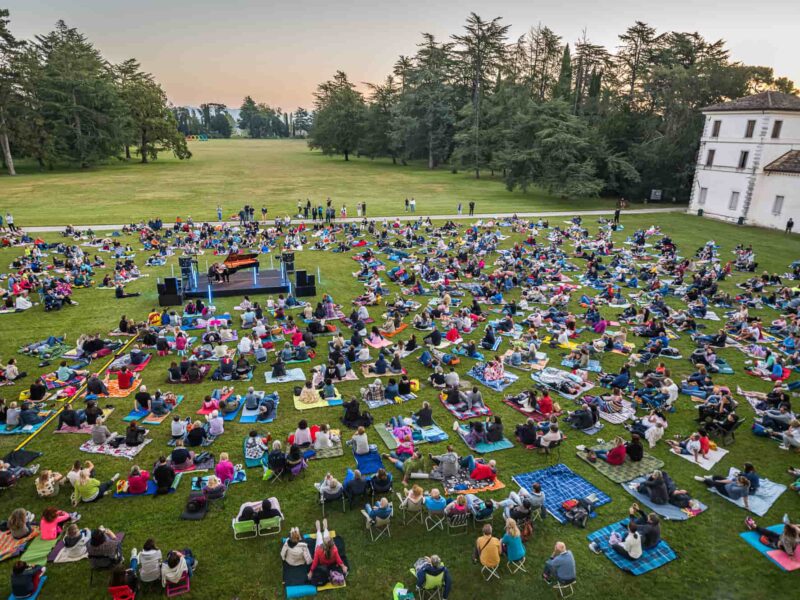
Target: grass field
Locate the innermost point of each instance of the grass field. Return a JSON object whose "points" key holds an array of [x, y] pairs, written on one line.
{"points": [[713, 561], [275, 173]]}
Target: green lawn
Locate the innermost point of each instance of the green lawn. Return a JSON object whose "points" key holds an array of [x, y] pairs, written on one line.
{"points": [[256, 172], [713, 561]]}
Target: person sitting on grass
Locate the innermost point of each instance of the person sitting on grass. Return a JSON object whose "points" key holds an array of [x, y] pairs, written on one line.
{"points": [[180, 457], [615, 456], [88, 489], [630, 547], [25, 579], [696, 446], [295, 550], [137, 480], [214, 489], [326, 555]]}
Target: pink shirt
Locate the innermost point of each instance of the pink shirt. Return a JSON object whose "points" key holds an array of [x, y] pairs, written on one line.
{"points": [[49, 530], [224, 470]]}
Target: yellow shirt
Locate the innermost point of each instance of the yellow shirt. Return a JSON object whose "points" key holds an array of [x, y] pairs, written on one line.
{"points": [[489, 548]]}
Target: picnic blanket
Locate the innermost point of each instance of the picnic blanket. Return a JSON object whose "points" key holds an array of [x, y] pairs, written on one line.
{"points": [[37, 551], [291, 375], [122, 451], [497, 385], [760, 502], [422, 435], [295, 579], [460, 351], [152, 488], [462, 484], [380, 343], [85, 428], [24, 429], [113, 387], [648, 561], [9, 547], [627, 470], [204, 368], [593, 366], [199, 482], [668, 511], [483, 447], [368, 463], [51, 382], [513, 402], [627, 412], [323, 403], [461, 413], [337, 449], [251, 416], [373, 404], [559, 483], [707, 462], [778, 557]]}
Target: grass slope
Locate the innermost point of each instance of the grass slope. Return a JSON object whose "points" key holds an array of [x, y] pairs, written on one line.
{"points": [[713, 561], [256, 172]]}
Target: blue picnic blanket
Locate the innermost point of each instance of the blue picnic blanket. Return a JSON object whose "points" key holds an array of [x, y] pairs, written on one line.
{"points": [[753, 538], [251, 416], [559, 483], [460, 412], [760, 502], [368, 464], [291, 375], [499, 385], [484, 447], [593, 367], [461, 352], [650, 559]]}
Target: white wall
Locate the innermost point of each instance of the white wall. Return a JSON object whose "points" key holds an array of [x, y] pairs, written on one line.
{"points": [[767, 187]]}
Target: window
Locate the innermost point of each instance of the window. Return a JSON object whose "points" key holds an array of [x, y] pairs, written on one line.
{"points": [[777, 206], [776, 129], [702, 199], [710, 158], [734, 201], [743, 159], [715, 129], [751, 127]]}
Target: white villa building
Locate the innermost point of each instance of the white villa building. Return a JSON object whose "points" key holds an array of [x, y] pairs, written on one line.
{"points": [[748, 165]]}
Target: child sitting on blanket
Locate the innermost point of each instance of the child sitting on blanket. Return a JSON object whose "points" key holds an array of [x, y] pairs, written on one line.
{"points": [[325, 438]]}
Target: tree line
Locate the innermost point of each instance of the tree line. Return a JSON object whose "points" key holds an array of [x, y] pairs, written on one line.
{"points": [[574, 119], [61, 102]]}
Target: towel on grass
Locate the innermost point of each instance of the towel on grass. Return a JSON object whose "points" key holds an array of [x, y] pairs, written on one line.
{"points": [[778, 557], [627, 470], [9, 547], [650, 559], [483, 447], [559, 483], [122, 451], [337, 401], [497, 385], [461, 413], [667, 511], [38, 550], [706, 462], [760, 502], [291, 375], [25, 429]]}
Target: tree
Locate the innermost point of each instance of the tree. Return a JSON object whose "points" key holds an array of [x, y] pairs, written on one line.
{"points": [[81, 106], [377, 139], [9, 49], [563, 88], [302, 121], [634, 56], [339, 117], [482, 50]]}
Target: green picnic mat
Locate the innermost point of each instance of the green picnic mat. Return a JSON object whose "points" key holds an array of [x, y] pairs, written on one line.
{"points": [[386, 436], [627, 470], [37, 551], [332, 452]]}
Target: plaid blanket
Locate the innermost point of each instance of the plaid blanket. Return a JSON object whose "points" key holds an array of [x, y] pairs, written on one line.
{"points": [[650, 559], [483, 447], [559, 483], [498, 385], [9, 547], [627, 470], [668, 511], [459, 411], [122, 451]]}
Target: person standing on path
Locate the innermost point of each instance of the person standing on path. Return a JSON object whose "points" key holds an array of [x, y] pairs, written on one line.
{"points": [[459, 208], [789, 225], [10, 221], [264, 213], [406, 204], [219, 213], [413, 205], [616, 216], [364, 209], [471, 208]]}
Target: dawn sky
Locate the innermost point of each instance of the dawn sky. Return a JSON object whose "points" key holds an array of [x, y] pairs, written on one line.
{"points": [[277, 52]]}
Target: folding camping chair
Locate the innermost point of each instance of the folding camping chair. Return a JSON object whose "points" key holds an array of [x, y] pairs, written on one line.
{"points": [[183, 586], [562, 587], [244, 529], [434, 519], [411, 511], [433, 588], [457, 524], [271, 526], [516, 565], [323, 500], [490, 573], [379, 526]]}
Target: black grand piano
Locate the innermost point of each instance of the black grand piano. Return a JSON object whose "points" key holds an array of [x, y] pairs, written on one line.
{"points": [[236, 261]]}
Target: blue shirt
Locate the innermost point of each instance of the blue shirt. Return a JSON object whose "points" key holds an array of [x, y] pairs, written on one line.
{"points": [[434, 504], [754, 480], [515, 550]]}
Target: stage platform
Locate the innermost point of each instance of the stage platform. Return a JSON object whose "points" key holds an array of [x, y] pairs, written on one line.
{"points": [[244, 282]]}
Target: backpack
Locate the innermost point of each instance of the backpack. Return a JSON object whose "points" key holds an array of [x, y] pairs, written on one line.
{"points": [[578, 516], [526, 532], [196, 504]]}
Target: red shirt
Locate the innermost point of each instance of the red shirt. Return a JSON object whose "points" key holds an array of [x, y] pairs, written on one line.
{"points": [[616, 456], [545, 405], [705, 445], [483, 471], [319, 558], [124, 379]]}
